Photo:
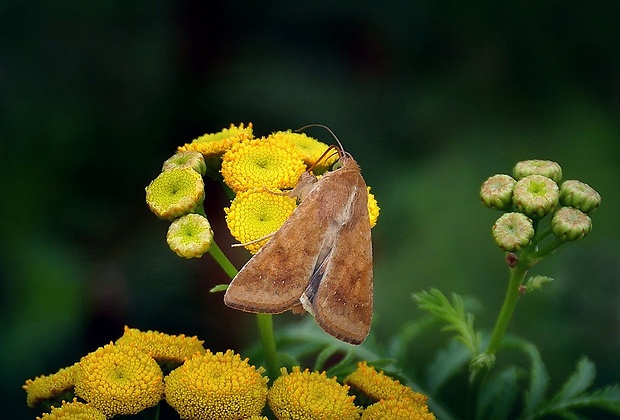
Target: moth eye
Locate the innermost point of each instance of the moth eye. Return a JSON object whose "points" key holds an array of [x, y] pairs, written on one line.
{"points": [[336, 165]]}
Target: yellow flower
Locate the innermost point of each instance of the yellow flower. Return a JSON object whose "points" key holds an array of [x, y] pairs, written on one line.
{"points": [[162, 347], [216, 386], [190, 236], [119, 380], [378, 386], [218, 143], [373, 208], [310, 148], [310, 395], [175, 192], [74, 410], [394, 409], [187, 159], [49, 387], [257, 213], [262, 163]]}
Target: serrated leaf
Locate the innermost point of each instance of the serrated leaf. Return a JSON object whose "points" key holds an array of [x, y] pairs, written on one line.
{"points": [[498, 396], [447, 363], [579, 381], [607, 399]]}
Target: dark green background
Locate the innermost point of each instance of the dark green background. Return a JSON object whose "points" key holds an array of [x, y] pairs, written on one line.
{"points": [[430, 97]]}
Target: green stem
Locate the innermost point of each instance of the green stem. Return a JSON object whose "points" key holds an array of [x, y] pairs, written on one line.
{"points": [[265, 327], [265, 321]]}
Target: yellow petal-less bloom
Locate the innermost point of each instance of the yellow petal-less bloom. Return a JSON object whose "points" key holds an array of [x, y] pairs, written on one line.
{"points": [[378, 385], [74, 410], [373, 209], [187, 159], [218, 143], [162, 347], [190, 236], [394, 409], [310, 395], [216, 386], [257, 213], [48, 387], [175, 192], [310, 148], [119, 380], [268, 162]]}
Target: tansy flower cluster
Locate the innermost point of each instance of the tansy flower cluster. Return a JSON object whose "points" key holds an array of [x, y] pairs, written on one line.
{"points": [[256, 172], [126, 378], [533, 192]]}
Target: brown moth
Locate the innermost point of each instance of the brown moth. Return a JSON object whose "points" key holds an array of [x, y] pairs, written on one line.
{"points": [[320, 258]]}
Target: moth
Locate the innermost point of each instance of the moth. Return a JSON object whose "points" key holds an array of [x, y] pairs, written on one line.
{"points": [[320, 259]]}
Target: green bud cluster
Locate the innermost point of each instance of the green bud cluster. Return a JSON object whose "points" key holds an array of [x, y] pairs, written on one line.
{"points": [[534, 191], [177, 195]]}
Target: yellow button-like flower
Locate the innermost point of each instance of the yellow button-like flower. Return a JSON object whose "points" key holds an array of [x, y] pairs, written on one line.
{"points": [[119, 380], [310, 395], [310, 148], [217, 143], [378, 386], [190, 236], [373, 209], [164, 348], [74, 410], [257, 213], [262, 163], [175, 192], [394, 409], [49, 387], [216, 386], [187, 159]]}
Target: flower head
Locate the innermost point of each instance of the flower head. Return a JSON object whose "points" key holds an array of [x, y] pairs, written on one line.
{"points": [[310, 395], [269, 162], [190, 236], [496, 192], [579, 195], [218, 143], [74, 410], [373, 208], [216, 386], [378, 386], [119, 380], [175, 192], [310, 148], [513, 231], [545, 168], [570, 224], [49, 387], [257, 213], [397, 409], [189, 159], [164, 348], [536, 195]]}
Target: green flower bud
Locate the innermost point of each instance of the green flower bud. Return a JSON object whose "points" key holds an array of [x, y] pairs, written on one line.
{"points": [[496, 192], [190, 236], [513, 231], [188, 159], [536, 195], [570, 224], [536, 282], [546, 168], [579, 195], [175, 192]]}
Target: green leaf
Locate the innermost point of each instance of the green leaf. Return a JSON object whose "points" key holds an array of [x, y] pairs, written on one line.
{"points": [[448, 362], [218, 288], [579, 381], [498, 396]]}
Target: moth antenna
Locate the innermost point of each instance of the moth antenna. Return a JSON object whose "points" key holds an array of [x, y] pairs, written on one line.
{"points": [[344, 152]]}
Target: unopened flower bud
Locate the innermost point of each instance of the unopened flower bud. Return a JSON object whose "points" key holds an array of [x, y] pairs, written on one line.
{"points": [[175, 192], [536, 195], [546, 168], [496, 192], [579, 195], [189, 159], [190, 236], [513, 231], [536, 282], [570, 224]]}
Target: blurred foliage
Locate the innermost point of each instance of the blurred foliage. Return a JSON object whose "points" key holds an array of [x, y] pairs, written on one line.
{"points": [[430, 97]]}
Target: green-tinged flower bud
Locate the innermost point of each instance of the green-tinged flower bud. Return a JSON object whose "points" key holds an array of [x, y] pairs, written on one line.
{"points": [[190, 236], [513, 231], [175, 192], [188, 159], [546, 168], [536, 282], [570, 224], [579, 195], [496, 192], [536, 195]]}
